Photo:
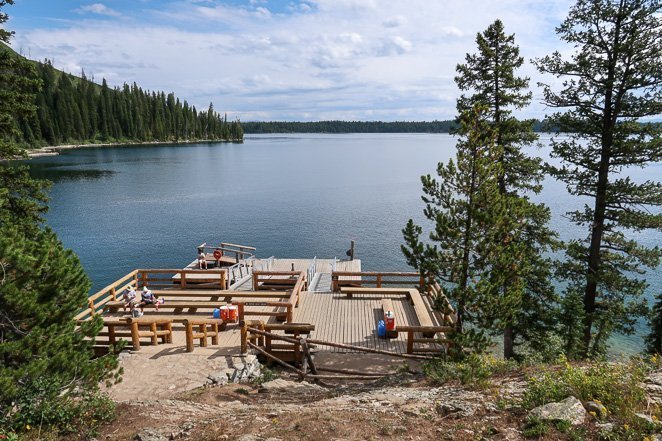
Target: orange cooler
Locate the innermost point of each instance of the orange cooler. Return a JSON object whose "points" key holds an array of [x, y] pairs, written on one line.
{"points": [[225, 313], [233, 313]]}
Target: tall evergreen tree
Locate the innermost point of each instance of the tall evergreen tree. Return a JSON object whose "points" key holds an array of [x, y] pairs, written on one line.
{"points": [[526, 293], [44, 357], [610, 81], [654, 339], [463, 205]]}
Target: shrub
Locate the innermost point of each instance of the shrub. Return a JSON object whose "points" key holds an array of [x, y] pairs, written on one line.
{"points": [[474, 370], [42, 403], [616, 385]]}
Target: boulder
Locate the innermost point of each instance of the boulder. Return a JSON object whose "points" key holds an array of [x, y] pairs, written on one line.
{"points": [[570, 410], [596, 408], [150, 435], [280, 384], [653, 386], [647, 419]]}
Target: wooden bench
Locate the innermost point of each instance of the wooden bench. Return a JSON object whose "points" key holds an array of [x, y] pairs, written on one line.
{"points": [[350, 290], [422, 313], [178, 306], [226, 295], [159, 327], [206, 328], [387, 305]]}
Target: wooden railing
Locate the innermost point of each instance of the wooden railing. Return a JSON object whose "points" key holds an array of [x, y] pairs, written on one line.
{"points": [[166, 278], [376, 279], [239, 251], [258, 333], [96, 301], [154, 279]]}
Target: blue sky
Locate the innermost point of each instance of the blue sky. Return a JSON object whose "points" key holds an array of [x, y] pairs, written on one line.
{"points": [[286, 60]]}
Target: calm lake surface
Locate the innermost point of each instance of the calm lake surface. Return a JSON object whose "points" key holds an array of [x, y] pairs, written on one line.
{"points": [[121, 208]]}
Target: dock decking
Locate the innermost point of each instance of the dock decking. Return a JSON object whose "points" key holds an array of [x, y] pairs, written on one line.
{"points": [[337, 317]]}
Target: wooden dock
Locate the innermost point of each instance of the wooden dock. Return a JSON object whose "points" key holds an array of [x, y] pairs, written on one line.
{"points": [[339, 317]]}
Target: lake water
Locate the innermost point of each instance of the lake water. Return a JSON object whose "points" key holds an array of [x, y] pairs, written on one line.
{"points": [[300, 196]]}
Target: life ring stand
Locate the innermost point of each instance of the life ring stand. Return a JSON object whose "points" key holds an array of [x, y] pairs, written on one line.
{"points": [[218, 254]]}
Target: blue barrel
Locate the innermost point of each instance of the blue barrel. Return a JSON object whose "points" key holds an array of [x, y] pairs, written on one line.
{"points": [[381, 329], [217, 313]]}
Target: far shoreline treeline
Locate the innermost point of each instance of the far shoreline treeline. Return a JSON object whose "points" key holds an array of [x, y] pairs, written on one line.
{"points": [[336, 126]]}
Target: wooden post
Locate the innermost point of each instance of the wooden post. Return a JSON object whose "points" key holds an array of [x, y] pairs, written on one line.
{"points": [[111, 334], [421, 283], [135, 336], [309, 357], [90, 303], [203, 330], [240, 312], [290, 314], [168, 327], [155, 336], [183, 280], [214, 336], [254, 282], [224, 280], [334, 282], [244, 337], [143, 278], [410, 342], [113, 293], [297, 350], [189, 336], [379, 280]]}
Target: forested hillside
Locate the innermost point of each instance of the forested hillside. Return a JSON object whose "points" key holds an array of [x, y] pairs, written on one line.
{"points": [[76, 110]]}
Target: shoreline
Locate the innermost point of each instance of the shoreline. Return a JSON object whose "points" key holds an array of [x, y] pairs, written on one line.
{"points": [[55, 150]]}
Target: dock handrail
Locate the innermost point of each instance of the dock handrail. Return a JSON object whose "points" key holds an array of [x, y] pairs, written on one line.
{"points": [[264, 264], [375, 278], [239, 251], [312, 269]]}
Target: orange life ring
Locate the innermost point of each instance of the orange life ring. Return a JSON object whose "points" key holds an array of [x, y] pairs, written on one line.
{"points": [[218, 254]]}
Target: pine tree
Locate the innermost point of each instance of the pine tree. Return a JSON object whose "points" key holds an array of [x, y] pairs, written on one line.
{"points": [[610, 81], [526, 292], [42, 287], [654, 339], [463, 205]]}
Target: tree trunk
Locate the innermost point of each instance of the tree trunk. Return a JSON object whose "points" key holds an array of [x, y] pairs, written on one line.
{"points": [[508, 343]]}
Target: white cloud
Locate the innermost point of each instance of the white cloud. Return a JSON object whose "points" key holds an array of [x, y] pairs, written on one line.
{"points": [[317, 59], [97, 8]]}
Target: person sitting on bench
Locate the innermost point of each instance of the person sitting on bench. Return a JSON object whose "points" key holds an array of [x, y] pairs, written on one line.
{"points": [[202, 259], [148, 298], [130, 298]]}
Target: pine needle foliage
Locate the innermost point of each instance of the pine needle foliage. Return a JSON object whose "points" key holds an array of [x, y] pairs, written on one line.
{"points": [[609, 83], [526, 297]]}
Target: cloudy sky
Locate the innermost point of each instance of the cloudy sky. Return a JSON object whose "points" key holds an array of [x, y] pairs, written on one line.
{"points": [[285, 60]]}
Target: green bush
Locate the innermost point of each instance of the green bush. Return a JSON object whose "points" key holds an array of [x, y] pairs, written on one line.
{"points": [[42, 404], [474, 370], [616, 385]]}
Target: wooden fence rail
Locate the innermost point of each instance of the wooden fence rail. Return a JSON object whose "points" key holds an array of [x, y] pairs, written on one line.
{"points": [[154, 279], [376, 279]]}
